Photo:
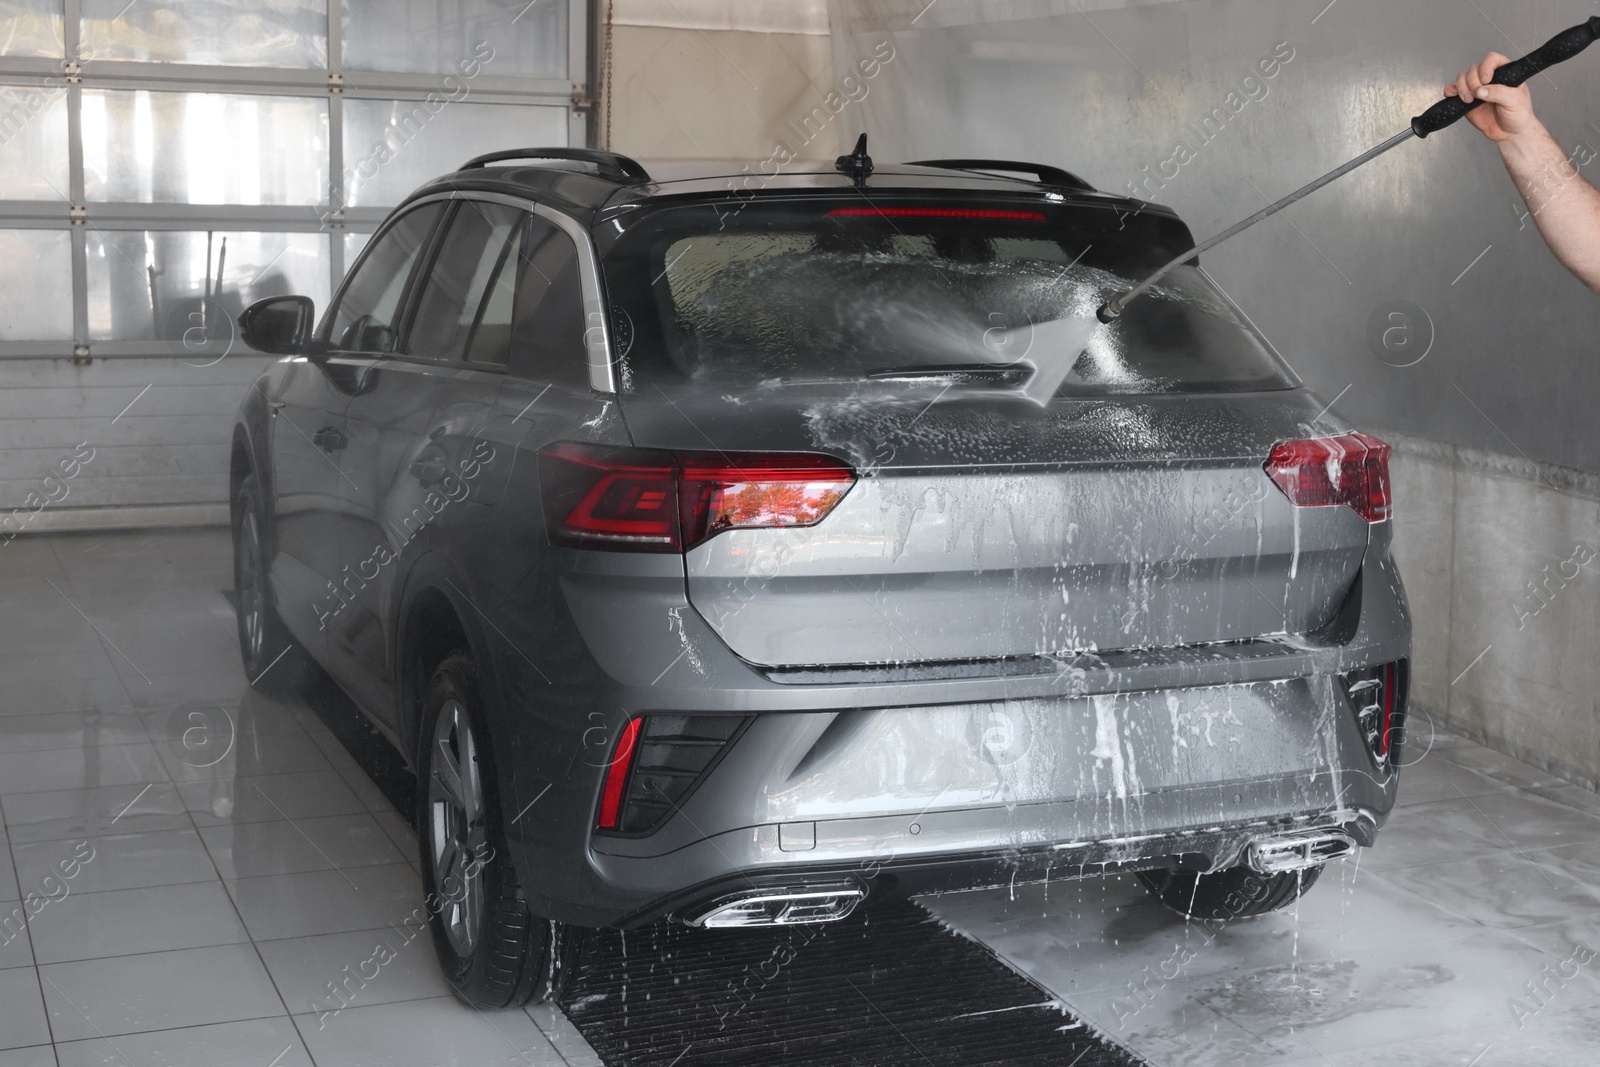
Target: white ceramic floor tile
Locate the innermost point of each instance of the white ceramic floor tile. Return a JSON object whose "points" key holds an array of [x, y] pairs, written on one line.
{"points": [[37, 1056], [8, 875], [1519, 820], [248, 850], [16, 948], [424, 1034], [250, 755], [118, 861], [254, 1043], [22, 1017], [73, 813], [80, 768], [1499, 767], [39, 692], [327, 902], [1416, 837], [1503, 890], [564, 1037], [158, 991], [130, 921], [400, 832], [70, 729], [268, 798], [327, 972]]}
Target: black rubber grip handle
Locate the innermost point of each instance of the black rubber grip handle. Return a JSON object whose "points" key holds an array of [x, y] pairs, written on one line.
{"points": [[1560, 48]]}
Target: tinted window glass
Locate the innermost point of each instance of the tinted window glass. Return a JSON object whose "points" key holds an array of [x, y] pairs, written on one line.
{"points": [[780, 293], [547, 326], [491, 339], [458, 282], [365, 318]]}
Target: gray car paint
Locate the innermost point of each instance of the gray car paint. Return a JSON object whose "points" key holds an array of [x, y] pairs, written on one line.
{"points": [[886, 767]]}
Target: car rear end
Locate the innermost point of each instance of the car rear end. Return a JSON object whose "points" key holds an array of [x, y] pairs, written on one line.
{"points": [[865, 613]]}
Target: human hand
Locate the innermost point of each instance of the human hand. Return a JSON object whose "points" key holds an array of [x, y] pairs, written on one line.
{"points": [[1506, 112]]}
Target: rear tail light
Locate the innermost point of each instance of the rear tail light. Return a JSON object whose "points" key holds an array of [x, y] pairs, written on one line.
{"points": [[658, 760], [1378, 697], [1351, 469], [643, 500]]}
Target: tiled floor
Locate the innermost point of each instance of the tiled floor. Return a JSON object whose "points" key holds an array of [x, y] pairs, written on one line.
{"points": [[1487, 878], [195, 901], [207, 867]]}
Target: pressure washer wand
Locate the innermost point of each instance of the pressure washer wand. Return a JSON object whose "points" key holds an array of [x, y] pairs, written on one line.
{"points": [[1563, 46]]}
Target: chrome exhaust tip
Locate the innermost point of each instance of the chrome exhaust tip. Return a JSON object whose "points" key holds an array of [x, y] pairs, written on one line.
{"points": [[1299, 850], [779, 907]]}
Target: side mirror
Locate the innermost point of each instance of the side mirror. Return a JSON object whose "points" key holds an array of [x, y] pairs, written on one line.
{"points": [[280, 325]]}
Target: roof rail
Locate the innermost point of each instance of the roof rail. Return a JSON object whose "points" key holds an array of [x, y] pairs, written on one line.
{"points": [[1043, 175], [613, 165]]}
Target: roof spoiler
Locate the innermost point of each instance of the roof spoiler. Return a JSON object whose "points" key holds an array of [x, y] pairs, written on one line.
{"points": [[1043, 175], [612, 165]]}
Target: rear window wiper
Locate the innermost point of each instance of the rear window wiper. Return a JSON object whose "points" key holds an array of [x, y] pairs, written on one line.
{"points": [[954, 372]]}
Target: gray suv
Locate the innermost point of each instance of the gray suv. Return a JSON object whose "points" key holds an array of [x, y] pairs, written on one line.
{"points": [[695, 536]]}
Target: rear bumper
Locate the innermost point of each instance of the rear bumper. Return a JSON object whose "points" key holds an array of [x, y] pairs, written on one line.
{"points": [[765, 815], [891, 875]]}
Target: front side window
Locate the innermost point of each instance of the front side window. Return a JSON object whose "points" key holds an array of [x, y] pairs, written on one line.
{"points": [[365, 319]]}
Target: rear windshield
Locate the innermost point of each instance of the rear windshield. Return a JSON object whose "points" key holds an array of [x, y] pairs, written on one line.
{"points": [[739, 295]]}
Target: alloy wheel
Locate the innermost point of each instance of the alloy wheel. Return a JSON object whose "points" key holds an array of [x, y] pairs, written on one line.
{"points": [[455, 827]]}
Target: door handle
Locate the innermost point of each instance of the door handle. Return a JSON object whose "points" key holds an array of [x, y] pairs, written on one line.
{"points": [[330, 439]]}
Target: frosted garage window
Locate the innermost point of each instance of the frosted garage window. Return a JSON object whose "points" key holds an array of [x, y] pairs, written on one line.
{"points": [[31, 28], [189, 287], [255, 33], [393, 146], [36, 278], [33, 143], [204, 148], [508, 37]]}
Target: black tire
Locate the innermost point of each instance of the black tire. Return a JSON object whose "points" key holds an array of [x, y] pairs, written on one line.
{"points": [[274, 662], [492, 950], [1231, 893]]}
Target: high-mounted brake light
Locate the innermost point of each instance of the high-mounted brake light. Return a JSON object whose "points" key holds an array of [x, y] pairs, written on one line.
{"points": [[935, 213], [643, 500], [1351, 469], [617, 776]]}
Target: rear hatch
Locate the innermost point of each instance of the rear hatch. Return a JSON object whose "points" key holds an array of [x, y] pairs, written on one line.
{"points": [[1126, 507]]}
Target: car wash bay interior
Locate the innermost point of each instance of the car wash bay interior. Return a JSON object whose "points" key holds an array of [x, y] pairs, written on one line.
{"points": [[162, 166]]}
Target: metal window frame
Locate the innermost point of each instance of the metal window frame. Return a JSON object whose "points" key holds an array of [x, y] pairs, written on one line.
{"points": [[332, 218]]}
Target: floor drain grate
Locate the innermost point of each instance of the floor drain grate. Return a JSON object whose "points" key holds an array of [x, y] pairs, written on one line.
{"points": [[888, 987]]}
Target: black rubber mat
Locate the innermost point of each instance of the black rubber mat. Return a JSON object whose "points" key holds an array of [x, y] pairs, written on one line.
{"points": [[887, 987]]}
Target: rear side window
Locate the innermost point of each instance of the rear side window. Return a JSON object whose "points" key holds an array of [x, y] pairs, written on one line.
{"points": [[364, 319], [461, 284], [780, 293], [547, 313]]}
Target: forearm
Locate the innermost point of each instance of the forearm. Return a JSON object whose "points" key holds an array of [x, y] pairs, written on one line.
{"points": [[1564, 206]]}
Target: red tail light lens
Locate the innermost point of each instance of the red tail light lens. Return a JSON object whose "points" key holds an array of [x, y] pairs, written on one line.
{"points": [[1351, 470], [759, 491], [617, 776], [640, 500]]}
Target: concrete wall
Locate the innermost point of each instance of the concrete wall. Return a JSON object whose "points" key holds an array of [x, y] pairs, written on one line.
{"points": [[718, 79], [1501, 560]]}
